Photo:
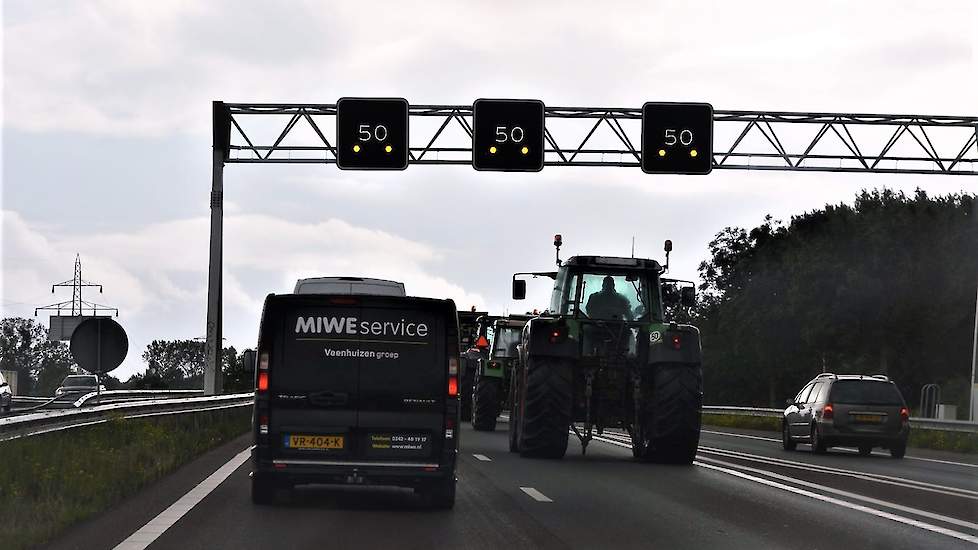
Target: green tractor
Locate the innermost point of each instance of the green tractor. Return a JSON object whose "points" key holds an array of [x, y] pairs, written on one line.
{"points": [[497, 352], [604, 356]]}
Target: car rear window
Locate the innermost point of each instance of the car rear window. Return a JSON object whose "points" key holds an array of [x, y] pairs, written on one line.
{"points": [[79, 381], [865, 392]]}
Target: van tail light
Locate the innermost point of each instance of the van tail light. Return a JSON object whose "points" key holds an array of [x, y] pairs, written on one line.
{"points": [[453, 365], [827, 412], [453, 386], [262, 383], [904, 414], [263, 424], [555, 335]]}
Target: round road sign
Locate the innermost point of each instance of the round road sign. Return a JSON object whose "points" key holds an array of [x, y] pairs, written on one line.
{"points": [[99, 345]]}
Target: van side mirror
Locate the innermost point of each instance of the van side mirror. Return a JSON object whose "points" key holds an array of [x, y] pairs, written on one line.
{"points": [[249, 357], [519, 289], [3, 384], [687, 296]]}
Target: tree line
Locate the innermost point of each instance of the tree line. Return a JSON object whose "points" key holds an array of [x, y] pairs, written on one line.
{"points": [[42, 364], [885, 285]]}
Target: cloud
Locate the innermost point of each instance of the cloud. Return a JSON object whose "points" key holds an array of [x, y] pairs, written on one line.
{"points": [[137, 68], [156, 275]]}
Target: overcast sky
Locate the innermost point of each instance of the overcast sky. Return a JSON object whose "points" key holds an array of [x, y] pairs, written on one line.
{"points": [[106, 138]]}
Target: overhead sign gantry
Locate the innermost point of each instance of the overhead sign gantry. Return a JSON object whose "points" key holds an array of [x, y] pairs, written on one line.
{"points": [[524, 135]]}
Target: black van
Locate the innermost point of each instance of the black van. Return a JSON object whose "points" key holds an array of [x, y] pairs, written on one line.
{"points": [[357, 389]]}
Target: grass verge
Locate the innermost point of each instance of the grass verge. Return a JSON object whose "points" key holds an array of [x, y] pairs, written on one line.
{"points": [[52, 480], [941, 440]]}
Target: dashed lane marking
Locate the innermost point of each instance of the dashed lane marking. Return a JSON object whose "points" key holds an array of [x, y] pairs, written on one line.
{"points": [[536, 495], [158, 525], [483, 458]]}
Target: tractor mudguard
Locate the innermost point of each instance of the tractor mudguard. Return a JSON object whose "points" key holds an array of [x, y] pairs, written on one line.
{"points": [[675, 344], [551, 337]]}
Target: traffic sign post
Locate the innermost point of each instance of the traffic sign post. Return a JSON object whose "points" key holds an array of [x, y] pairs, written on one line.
{"points": [[677, 138], [508, 135], [372, 133]]}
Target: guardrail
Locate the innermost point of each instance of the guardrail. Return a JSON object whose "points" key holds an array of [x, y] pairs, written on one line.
{"points": [[915, 422], [47, 421]]}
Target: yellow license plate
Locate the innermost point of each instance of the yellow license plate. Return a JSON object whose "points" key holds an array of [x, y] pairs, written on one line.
{"points": [[314, 442], [867, 418]]}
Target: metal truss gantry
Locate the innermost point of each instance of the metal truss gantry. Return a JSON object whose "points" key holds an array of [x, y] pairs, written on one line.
{"points": [[589, 136], [282, 133]]}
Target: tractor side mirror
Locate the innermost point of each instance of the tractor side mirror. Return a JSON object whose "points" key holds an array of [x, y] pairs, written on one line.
{"points": [[519, 289], [249, 357], [687, 296]]}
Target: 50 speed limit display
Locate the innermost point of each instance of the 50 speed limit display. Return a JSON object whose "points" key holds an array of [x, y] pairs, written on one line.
{"points": [[677, 138], [508, 135], [372, 133]]}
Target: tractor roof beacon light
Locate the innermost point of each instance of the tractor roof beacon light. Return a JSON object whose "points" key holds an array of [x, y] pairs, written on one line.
{"points": [[558, 240]]}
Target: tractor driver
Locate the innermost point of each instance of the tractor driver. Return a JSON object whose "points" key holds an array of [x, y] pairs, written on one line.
{"points": [[608, 303]]}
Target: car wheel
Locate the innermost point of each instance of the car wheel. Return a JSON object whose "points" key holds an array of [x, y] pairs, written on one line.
{"points": [[818, 444], [786, 442], [865, 450]]}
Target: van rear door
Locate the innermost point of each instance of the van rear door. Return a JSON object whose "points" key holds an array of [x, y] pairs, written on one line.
{"points": [[403, 379], [315, 396], [359, 378]]}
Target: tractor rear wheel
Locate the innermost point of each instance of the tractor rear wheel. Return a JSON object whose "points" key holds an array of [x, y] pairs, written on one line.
{"points": [[547, 403], [673, 418], [485, 403]]}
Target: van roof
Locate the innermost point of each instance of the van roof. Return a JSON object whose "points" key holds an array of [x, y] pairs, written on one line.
{"points": [[349, 285]]}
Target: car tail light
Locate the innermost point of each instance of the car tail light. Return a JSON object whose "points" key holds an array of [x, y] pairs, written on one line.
{"points": [[827, 412], [677, 342], [904, 414], [453, 386]]}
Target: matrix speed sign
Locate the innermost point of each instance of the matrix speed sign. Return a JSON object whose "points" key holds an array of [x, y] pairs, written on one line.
{"points": [[677, 138], [372, 133], [507, 135]]}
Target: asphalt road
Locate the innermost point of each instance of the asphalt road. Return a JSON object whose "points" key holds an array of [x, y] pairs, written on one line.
{"points": [[744, 491]]}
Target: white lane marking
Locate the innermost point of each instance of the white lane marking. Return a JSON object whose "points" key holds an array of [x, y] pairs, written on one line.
{"points": [[853, 506], [745, 436], [483, 458], [156, 526], [844, 503], [536, 495], [866, 476], [816, 486]]}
